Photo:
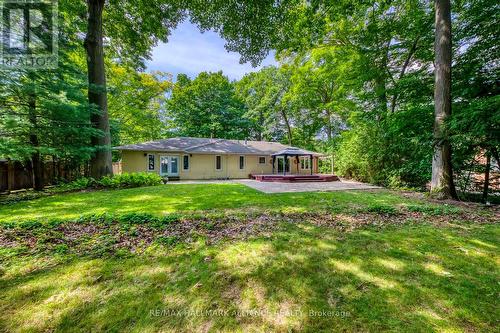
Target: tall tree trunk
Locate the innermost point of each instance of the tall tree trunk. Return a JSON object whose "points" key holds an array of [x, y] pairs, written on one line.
{"points": [[288, 127], [411, 52], [329, 126], [486, 177], [381, 82], [442, 174], [100, 164], [260, 127], [36, 159]]}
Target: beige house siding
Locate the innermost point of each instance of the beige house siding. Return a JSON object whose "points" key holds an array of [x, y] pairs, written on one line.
{"points": [[202, 166]]}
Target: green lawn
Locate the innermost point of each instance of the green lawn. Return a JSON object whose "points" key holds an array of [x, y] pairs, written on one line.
{"points": [[315, 262], [165, 199]]}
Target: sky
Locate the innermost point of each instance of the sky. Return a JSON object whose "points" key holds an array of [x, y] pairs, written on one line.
{"points": [[190, 52]]}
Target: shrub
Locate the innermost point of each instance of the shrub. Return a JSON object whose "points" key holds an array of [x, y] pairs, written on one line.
{"points": [[78, 184], [130, 180], [118, 181], [61, 248], [394, 151], [382, 209], [138, 218]]}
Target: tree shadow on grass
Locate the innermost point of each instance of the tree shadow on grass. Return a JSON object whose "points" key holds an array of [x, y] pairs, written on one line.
{"points": [[301, 278]]}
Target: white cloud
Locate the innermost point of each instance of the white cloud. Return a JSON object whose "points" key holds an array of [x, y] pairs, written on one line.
{"points": [[191, 52]]}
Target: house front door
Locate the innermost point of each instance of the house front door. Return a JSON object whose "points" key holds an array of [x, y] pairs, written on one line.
{"points": [[169, 165]]}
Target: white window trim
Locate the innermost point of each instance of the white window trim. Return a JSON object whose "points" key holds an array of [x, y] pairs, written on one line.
{"points": [[306, 164], [265, 160], [215, 161], [154, 162], [244, 162], [189, 163]]}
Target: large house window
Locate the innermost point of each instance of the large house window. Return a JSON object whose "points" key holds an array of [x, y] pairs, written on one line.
{"points": [[151, 162], [242, 162], [185, 162], [305, 163], [218, 162], [262, 160]]}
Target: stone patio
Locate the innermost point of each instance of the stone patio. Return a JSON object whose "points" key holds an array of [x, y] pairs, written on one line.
{"points": [[271, 187]]}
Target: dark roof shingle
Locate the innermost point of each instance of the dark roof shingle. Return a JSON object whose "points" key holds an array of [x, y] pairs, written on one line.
{"points": [[209, 146]]}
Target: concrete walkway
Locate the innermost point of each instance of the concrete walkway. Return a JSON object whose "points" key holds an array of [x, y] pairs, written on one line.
{"points": [[271, 187]]}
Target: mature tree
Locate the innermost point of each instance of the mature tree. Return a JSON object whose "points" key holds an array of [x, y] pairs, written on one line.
{"points": [[235, 20], [100, 163], [207, 107], [320, 82], [137, 104], [475, 125], [373, 55], [442, 174], [263, 93], [44, 114], [131, 39]]}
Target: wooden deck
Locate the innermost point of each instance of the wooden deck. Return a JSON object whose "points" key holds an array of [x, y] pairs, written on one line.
{"points": [[295, 178]]}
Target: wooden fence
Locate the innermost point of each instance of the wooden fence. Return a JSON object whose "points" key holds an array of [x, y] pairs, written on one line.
{"points": [[15, 175]]}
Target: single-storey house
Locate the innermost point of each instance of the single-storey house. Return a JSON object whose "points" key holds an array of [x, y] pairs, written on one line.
{"points": [[199, 158]]}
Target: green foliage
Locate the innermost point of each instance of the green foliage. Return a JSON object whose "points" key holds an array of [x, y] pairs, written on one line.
{"points": [[263, 94], [358, 87], [125, 180], [382, 209], [167, 240], [434, 210], [78, 184], [207, 107], [136, 179], [137, 218], [136, 103], [46, 113], [320, 80], [395, 152], [355, 80]]}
